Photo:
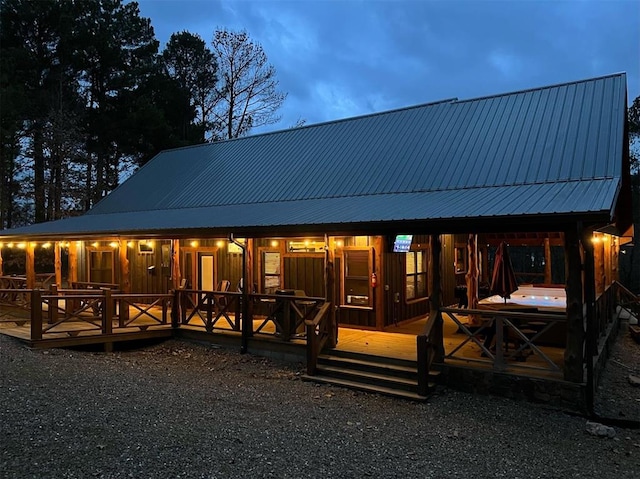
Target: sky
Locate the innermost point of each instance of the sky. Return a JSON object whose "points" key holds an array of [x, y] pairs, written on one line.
{"points": [[342, 58]]}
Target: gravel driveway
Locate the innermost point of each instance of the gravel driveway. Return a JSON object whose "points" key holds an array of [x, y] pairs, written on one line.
{"points": [[186, 410]]}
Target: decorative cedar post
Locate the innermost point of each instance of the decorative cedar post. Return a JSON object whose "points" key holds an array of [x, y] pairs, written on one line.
{"points": [[30, 265], [73, 274], [431, 342], [547, 261], [589, 279], [472, 276], [597, 250], [73, 262], [574, 352], [329, 291], [435, 297], [57, 263], [247, 305], [36, 315], [175, 264], [125, 279], [378, 291]]}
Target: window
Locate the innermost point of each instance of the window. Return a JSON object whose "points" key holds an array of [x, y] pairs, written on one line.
{"points": [[356, 274], [271, 268], [416, 275]]}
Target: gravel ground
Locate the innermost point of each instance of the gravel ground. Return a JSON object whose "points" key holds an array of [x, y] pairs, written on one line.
{"points": [[186, 410]]}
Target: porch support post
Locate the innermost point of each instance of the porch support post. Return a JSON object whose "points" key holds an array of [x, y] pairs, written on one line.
{"points": [[175, 264], [574, 351], [378, 269], [329, 290], [30, 265], [125, 280], [57, 263], [591, 346], [435, 298], [1, 263], [598, 252], [73, 262], [547, 261], [472, 276]]}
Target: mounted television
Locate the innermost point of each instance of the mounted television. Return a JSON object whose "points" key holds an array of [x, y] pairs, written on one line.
{"points": [[402, 243]]}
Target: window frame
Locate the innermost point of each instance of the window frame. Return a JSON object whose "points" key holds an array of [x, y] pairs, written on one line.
{"points": [[424, 253]]}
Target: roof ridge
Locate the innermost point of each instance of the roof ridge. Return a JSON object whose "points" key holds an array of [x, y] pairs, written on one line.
{"points": [[540, 88]]}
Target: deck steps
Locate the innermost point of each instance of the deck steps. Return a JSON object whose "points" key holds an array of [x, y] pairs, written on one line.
{"points": [[388, 376]]}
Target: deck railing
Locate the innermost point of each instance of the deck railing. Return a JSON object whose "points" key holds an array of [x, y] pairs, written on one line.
{"points": [[426, 353], [492, 331], [205, 309], [283, 316]]}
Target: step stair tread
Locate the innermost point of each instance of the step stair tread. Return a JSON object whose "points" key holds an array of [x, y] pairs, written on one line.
{"points": [[365, 387], [328, 370], [367, 363]]}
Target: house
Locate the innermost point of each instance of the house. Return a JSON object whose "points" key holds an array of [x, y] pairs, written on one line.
{"points": [[386, 218]]}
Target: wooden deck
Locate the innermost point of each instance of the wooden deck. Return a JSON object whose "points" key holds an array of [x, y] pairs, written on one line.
{"points": [[396, 342]]}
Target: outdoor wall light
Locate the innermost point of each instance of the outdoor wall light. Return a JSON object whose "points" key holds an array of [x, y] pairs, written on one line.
{"points": [[274, 243], [113, 244], [46, 245], [220, 244], [21, 245], [9, 245], [194, 244], [95, 244]]}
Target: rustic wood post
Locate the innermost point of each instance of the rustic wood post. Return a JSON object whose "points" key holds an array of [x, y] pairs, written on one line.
{"points": [[36, 315], [72, 275], [329, 292], [107, 312], [598, 259], [57, 263], [574, 351], [378, 291], [175, 264], [248, 288], [1, 262], [30, 265], [547, 261], [591, 344], [125, 279], [472, 276], [53, 304], [175, 309], [435, 297]]}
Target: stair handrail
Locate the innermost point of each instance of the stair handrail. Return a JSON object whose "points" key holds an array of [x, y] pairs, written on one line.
{"points": [[317, 336], [425, 353]]}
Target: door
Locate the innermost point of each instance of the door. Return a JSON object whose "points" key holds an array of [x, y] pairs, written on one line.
{"points": [[101, 266]]}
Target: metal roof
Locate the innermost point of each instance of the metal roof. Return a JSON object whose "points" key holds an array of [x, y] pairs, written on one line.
{"points": [[545, 151]]}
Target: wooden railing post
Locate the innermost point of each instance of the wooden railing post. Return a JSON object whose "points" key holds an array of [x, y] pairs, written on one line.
{"points": [[53, 304], [165, 308], [312, 349], [36, 315], [107, 312], [175, 309], [423, 364]]}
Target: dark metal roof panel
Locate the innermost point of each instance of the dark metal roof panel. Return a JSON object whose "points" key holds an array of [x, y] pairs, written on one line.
{"points": [[472, 203], [554, 134]]}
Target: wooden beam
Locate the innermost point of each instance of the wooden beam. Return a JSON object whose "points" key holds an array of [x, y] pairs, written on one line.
{"points": [[176, 277], [73, 262], [574, 352], [30, 265], [435, 297], [378, 291], [125, 278], [547, 261], [57, 262], [472, 275], [329, 290]]}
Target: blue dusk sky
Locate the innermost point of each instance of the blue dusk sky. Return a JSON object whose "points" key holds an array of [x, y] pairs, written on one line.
{"points": [[343, 58]]}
